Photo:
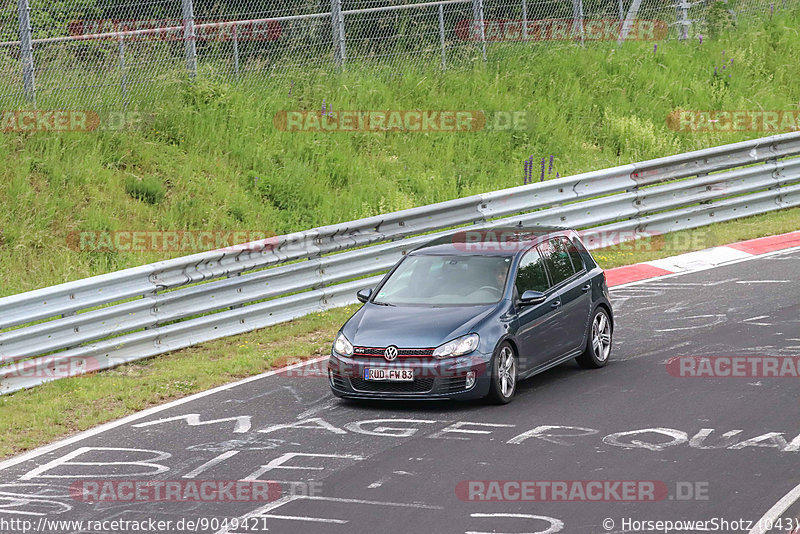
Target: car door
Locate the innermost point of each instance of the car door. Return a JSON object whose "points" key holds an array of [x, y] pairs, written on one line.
{"points": [[566, 273], [580, 297], [536, 332]]}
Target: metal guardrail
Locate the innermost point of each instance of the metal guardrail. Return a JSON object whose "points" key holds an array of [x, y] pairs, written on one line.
{"points": [[103, 321]]}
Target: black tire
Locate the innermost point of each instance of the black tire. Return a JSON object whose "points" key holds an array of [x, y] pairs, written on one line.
{"points": [[503, 392], [598, 341]]}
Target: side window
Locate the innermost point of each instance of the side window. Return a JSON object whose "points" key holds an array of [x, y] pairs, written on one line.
{"points": [[574, 254], [556, 257], [588, 261], [531, 274]]}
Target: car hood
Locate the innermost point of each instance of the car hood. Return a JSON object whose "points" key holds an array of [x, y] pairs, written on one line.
{"points": [[412, 326]]}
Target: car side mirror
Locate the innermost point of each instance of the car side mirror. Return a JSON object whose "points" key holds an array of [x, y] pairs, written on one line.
{"points": [[532, 297], [363, 295]]}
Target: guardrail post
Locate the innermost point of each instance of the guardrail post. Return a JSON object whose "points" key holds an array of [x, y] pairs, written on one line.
{"points": [[189, 37], [123, 72], [441, 36], [577, 17], [26, 51], [337, 21], [683, 18]]}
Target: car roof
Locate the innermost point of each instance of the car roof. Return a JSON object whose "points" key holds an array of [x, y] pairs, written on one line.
{"points": [[455, 242]]}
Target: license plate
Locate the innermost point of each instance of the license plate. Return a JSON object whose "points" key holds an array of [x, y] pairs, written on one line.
{"points": [[389, 375]]}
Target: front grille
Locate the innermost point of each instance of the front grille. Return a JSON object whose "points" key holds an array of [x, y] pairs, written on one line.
{"points": [[451, 385], [377, 352], [421, 385]]}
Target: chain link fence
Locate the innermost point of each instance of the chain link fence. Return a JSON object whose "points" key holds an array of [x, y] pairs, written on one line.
{"points": [[107, 54]]}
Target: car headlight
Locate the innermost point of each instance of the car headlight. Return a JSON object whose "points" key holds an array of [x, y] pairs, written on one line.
{"points": [[457, 347], [342, 346]]}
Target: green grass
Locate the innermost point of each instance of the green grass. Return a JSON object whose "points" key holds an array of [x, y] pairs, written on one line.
{"points": [[210, 157]]}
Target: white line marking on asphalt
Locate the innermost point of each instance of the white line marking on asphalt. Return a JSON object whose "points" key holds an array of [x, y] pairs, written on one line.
{"points": [[264, 510], [555, 524], [304, 518], [386, 478], [719, 319], [148, 462], [328, 404], [193, 419], [749, 321], [775, 512], [211, 463], [141, 415], [280, 461], [763, 281]]}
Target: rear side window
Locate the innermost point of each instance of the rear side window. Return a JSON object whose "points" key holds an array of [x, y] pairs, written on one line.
{"points": [[574, 254], [556, 256], [588, 261], [531, 274]]}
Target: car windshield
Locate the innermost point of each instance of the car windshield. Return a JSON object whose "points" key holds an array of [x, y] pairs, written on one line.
{"points": [[446, 281]]}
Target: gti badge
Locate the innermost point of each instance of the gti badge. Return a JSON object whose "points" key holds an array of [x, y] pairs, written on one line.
{"points": [[390, 353]]}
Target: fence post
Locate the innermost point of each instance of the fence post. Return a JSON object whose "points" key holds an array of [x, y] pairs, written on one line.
{"points": [[683, 18], [577, 17], [236, 50], [525, 20], [337, 20], [477, 17], [630, 18], [441, 36], [189, 37], [26, 51], [123, 72]]}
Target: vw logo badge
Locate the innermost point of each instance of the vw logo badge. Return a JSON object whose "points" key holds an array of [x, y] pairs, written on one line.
{"points": [[390, 353]]}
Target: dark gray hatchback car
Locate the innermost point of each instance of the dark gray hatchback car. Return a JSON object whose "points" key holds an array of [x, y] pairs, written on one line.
{"points": [[470, 314]]}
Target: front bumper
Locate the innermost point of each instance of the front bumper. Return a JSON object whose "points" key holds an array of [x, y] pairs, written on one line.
{"points": [[433, 379]]}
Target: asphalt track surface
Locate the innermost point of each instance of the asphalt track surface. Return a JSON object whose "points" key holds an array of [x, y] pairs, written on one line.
{"points": [[725, 448]]}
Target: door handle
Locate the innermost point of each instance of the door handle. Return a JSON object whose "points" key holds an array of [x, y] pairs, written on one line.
{"points": [[555, 304], [587, 287]]}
